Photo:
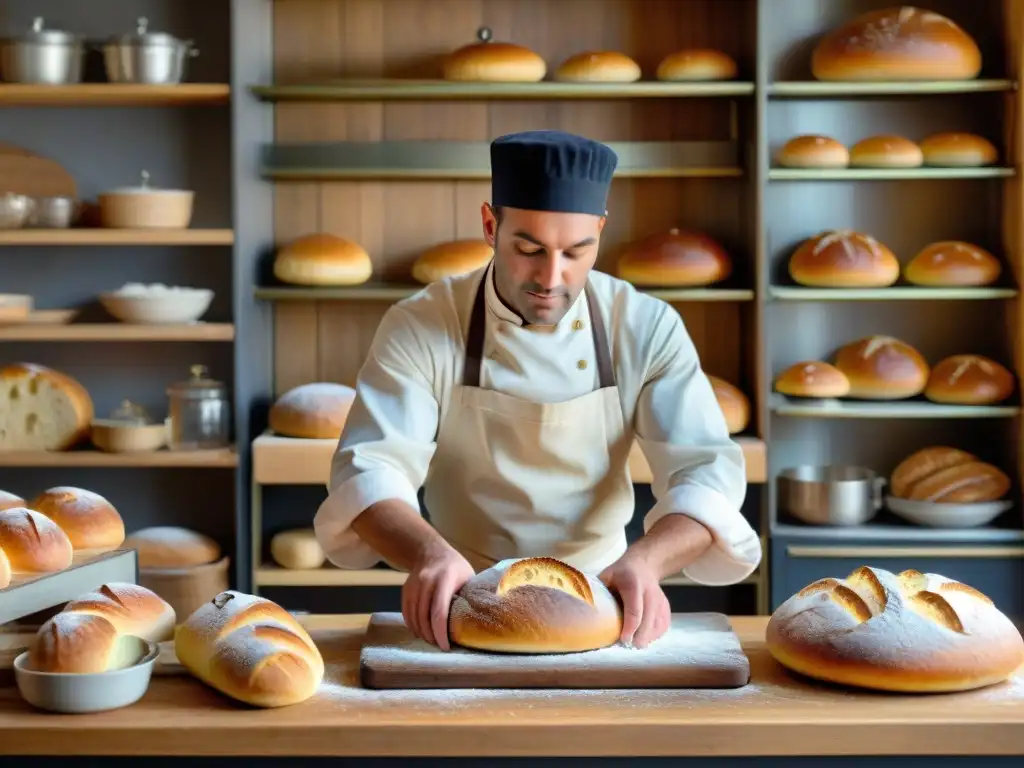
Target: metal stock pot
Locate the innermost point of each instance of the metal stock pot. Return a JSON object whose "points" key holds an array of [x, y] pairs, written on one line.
{"points": [[42, 56], [153, 58]]}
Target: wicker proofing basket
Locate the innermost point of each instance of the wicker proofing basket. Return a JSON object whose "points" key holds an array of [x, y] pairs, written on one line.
{"points": [[187, 588]]}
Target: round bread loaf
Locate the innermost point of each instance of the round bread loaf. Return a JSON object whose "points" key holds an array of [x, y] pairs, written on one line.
{"points": [[171, 547], [297, 550], [451, 259], [956, 149], [315, 411], [598, 67], [534, 605], [42, 409], [734, 403], [947, 475], [886, 151], [952, 263], [969, 380], [676, 258], [897, 43], [131, 609], [33, 543], [812, 378], [9, 500], [696, 64], [843, 259], [89, 520], [910, 632], [882, 368], [488, 61], [813, 152], [322, 259], [82, 643]]}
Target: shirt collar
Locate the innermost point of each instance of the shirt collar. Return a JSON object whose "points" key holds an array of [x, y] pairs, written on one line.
{"points": [[503, 313]]}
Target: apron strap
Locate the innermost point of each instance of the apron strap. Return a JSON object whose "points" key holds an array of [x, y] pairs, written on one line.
{"points": [[478, 326]]}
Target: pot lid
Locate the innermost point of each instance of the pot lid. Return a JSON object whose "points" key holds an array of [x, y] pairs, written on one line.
{"points": [[38, 34], [199, 386], [142, 36]]}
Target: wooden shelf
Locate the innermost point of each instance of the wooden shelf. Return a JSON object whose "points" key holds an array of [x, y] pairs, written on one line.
{"points": [[294, 461], [99, 236], [903, 533], [894, 293], [274, 576], [825, 89], [470, 160], [118, 332], [900, 409], [394, 292], [443, 90], [212, 459], [114, 95], [887, 174]]}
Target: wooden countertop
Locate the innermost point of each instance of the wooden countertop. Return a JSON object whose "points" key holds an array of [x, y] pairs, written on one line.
{"points": [[774, 715]]}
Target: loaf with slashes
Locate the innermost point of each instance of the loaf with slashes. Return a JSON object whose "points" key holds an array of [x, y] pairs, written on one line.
{"points": [[909, 632], [250, 649]]}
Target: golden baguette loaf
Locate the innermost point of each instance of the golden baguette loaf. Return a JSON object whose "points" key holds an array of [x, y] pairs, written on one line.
{"points": [[89, 520], [909, 632], [922, 464], [250, 649], [534, 605], [31, 543]]}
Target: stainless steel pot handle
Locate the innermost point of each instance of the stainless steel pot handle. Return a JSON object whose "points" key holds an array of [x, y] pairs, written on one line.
{"points": [[877, 492]]}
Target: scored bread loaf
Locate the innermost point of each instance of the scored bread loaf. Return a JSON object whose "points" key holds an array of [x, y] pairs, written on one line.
{"points": [[948, 476], [843, 258], [31, 543], [89, 520], [169, 546], [910, 632], [130, 608], [882, 368], [534, 605], [812, 378], [250, 649], [317, 410], [42, 409], [952, 262], [10, 500], [969, 380]]}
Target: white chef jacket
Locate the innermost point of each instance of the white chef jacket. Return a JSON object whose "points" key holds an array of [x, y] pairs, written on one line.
{"points": [[417, 357]]}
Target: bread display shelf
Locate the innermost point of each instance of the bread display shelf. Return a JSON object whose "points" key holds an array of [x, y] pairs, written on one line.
{"points": [[211, 459], [896, 532], [887, 174], [97, 236], [441, 90], [113, 94], [294, 461], [384, 292], [470, 160], [825, 89], [117, 332], [893, 409], [275, 576], [895, 293]]}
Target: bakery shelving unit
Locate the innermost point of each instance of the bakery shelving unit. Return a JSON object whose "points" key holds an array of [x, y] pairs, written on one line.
{"points": [[368, 147], [905, 209], [103, 133]]}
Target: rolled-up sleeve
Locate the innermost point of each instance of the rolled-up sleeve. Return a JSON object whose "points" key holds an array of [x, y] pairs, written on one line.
{"points": [[697, 469], [385, 449]]}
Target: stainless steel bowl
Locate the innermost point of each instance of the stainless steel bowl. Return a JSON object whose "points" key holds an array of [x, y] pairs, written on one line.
{"points": [[147, 57], [830, 494], [53, 212], [42, 57], [15, 210]]}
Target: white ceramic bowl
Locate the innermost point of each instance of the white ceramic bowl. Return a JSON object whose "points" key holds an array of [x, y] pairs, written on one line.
{"points": [[79, 693], [171, 308], [938, 515]]}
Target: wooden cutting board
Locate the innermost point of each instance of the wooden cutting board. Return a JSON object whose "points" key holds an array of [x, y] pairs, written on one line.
{"points": [[26, 173], [700, 650]]}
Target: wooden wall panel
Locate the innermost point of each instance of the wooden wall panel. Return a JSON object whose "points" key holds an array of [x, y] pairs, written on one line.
{"points": [[395, 220]]}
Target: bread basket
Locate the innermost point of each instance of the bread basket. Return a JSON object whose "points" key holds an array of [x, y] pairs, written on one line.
{"points": [[145, 207]]}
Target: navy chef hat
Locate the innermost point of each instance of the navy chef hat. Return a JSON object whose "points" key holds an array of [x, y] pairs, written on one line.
{"points": [[551, 171]]}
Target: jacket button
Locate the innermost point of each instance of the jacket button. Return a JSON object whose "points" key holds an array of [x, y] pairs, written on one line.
{"points": [[582, 364], [577, 325]]}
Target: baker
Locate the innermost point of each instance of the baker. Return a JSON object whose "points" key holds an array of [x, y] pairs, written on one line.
{"points": [[512, 396]]}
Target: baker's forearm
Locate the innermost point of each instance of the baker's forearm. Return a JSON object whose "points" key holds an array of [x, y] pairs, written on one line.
{"points": [[398, 533], [673, 543]]}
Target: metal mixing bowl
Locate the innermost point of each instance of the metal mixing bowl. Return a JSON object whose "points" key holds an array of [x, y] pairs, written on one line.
{"points": [[53, 212], [15, 210]]}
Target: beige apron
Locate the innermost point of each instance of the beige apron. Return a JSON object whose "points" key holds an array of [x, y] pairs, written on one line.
{"points": [[512, 478]]}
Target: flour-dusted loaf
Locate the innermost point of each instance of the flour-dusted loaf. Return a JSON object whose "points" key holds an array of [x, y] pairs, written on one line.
{"points": [[970, 380], [250, 649], [171, 547], [897, 43], [10, 500], [945, 475], [842, 258], [734, 403], [317, 410], [89, 520], [450, 259], [322, 259], [131, 609], [882, 368], [534, 605], [42, 409], [598, 67], [812, 378], [31, 543], [911, 632]]}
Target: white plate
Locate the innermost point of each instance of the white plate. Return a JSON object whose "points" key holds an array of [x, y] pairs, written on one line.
{"points": [[937, 515]]}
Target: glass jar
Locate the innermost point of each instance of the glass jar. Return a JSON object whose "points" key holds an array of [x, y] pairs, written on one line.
{"points": [[198, 413]]}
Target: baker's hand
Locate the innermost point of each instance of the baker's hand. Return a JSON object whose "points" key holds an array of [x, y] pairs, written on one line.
{"points": [[646, 612], [437, 575]]}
